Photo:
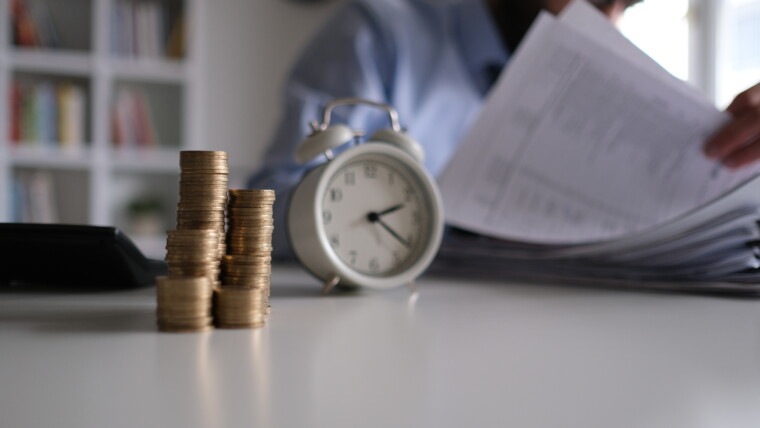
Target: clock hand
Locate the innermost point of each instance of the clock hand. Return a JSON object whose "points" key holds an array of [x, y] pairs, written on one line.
{"points": [[390, 210], [374, 217]]}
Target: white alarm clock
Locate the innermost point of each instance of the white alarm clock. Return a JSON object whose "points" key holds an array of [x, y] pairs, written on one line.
{"points": [[370, 216]]}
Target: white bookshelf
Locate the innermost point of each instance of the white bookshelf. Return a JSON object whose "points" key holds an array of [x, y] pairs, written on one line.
{"points": [[93, 184]]}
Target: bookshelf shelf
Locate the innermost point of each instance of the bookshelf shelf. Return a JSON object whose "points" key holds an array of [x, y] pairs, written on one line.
{"points": [[51, 61], [49, 157], [149, 70], [97, 178], [153, 160]]}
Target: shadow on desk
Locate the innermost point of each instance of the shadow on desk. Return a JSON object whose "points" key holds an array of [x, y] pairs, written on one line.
{"points": [[71, 309], [53, 318]]}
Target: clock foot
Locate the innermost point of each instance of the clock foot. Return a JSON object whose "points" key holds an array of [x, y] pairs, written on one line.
{"points": [[412, 287], [330, 284]]}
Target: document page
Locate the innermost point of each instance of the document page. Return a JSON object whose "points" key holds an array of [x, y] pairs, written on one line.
{"points": [[576, 144], [590, 22]]}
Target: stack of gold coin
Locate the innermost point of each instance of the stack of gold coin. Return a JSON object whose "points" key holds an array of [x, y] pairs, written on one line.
{"points": [[184, 304], [203, 192], [194, 250], [243, 299], [241, 307], [193, 253]]}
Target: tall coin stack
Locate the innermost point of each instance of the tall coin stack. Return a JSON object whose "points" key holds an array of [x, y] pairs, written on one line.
{"points": [[185, 297], [203, 192], [243, 299]]}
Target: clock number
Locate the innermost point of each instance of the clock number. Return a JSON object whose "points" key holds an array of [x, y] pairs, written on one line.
{"points": [[410, 240], [416, 218], [352, 257], [408, 193], [326, 217], [336, 195], [391, 178], [370, 171], [374, 264], [335, 241], [349, 177]]}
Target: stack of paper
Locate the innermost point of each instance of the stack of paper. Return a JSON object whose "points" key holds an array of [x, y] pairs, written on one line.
{"points": [[586, 163]]}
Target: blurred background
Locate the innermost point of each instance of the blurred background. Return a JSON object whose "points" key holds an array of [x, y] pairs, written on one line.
{"points": [[100, 95]]}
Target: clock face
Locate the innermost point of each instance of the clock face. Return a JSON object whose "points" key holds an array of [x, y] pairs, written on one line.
{"points": [[376, 215]]}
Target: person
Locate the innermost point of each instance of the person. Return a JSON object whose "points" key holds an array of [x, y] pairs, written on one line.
{"points": [[434, 61]]}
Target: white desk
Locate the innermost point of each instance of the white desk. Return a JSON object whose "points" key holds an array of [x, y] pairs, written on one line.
{"points": [[463, 354]]}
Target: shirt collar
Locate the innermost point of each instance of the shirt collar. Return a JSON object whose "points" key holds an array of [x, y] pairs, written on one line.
{"points": [[480, 41]]}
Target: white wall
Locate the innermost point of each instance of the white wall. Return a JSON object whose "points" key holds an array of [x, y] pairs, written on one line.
{"points": [[247, 49]]}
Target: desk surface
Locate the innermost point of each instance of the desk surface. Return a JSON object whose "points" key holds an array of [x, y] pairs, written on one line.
{"points": [[461, 354]]}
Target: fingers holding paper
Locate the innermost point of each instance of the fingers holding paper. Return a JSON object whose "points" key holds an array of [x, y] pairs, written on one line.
{"points": [[738, 143]]}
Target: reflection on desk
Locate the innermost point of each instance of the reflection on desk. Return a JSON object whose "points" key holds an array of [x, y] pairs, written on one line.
{"points": [[461, 353]]}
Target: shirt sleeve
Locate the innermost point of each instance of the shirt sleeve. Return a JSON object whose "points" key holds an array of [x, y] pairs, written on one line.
{"points": [[349, 57]]}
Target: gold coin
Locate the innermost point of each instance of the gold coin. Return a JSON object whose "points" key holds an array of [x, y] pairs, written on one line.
{"points": [[243, 282], [178, 247], [252, 231], [210, 263], [243, 251], [203, 154], [250, 248], [247, 271], [191, 257], [201, 204], [213, 235], [249, 221], [232, 208], [199, 213], [233, 269], [246, 267], [201, 158], [205, 169], [215, 166], [208, 196], [233, 212], [217, 187], [263, 228], [203, 179], [193, 271], [247, 260], [199, 224], [193, 234], [252, 193]]}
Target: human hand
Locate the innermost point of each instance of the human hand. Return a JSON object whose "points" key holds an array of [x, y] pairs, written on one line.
{"points": [[737, 143]]}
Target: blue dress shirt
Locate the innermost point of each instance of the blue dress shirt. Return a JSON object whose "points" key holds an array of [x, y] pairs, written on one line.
{"points": [[433, 60]]}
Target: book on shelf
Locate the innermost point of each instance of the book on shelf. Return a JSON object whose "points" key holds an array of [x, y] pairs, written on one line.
{"points": [[47, 113], [34, 197], [32, 25], [132, 122], [147, 29], [71, 104]]}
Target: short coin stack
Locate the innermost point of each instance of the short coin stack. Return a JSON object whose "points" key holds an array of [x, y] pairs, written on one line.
{"points": [[243, 299], [184, 303], [203, 186], [193, 251]]}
